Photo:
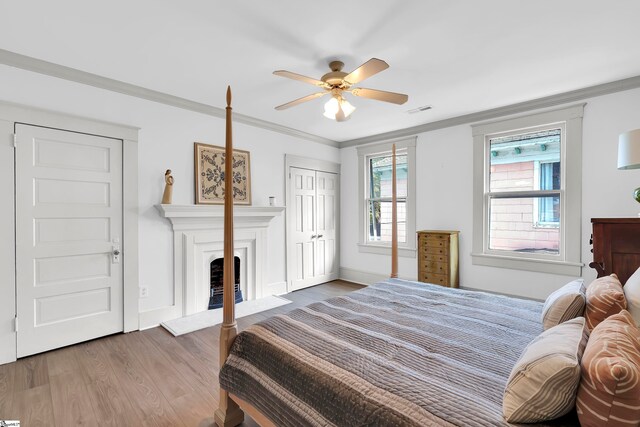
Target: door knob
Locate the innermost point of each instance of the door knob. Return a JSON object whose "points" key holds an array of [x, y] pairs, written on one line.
{"points": [[319, 236], [115, 255]]}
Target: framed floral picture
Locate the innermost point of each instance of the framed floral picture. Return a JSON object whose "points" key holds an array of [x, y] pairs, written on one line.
{"points": [[210, 175]]}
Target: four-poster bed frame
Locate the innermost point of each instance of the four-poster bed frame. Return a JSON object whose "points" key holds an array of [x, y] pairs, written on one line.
{"points": [[231, 408], [394, 353]]}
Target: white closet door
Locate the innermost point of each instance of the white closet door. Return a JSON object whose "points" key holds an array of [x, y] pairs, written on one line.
{"points": [[303, 200], [68, 226], [326, 212], [313, 228]]}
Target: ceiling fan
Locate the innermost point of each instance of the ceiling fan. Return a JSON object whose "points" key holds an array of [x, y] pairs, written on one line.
{"points": [[336, 82]]}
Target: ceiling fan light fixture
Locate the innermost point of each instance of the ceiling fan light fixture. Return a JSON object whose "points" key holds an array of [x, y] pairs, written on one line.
{"points": [[338, 108], [347, 107], [331, 108], [336, 82]]}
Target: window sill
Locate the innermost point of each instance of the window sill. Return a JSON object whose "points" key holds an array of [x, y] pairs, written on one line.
{"points": [[565, 268], [386, 250]]}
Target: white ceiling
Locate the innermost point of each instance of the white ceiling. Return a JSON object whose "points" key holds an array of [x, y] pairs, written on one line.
{"points": [[459, 56]]}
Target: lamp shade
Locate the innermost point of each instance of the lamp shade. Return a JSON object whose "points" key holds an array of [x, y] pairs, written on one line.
{"points": [[629, 150]]}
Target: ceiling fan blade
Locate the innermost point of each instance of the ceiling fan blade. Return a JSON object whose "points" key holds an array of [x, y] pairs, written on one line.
{"points": [[301, 100], [300, 77], [366, 70], [380, 95]]}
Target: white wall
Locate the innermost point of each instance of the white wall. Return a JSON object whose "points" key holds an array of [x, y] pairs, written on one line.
{"points": [[166, 141], [444, 179], [444, 196]]}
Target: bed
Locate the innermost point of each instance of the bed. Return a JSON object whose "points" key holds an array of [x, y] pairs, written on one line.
{"points": [[395, 353]]}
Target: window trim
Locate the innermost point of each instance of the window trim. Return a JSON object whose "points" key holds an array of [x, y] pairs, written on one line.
{"points": [[488, 195], [368, 199], [568, 262], [408, 145]]}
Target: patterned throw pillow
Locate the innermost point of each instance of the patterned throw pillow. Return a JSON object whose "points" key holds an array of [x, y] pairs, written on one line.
{"points": [[605, 298], [609, 392], [543, 383], [632, 294], [566, 303]]}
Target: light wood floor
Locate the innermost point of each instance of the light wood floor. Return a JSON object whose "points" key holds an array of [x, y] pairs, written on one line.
{"points": [[146, 378]]}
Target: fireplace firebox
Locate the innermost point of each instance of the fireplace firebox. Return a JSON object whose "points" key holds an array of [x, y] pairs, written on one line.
{"points": [[217, 272]]}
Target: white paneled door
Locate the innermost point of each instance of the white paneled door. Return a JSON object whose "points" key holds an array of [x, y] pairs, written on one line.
{"points": [[68, 228], [313, 196]]}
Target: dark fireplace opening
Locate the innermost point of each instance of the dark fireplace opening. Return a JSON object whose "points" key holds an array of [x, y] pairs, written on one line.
{"points": [[217, 270]]}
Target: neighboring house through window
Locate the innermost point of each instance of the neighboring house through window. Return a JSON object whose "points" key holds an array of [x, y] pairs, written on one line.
{"points": [[524, 216], [375, 196], [548, 211], [527, 192]]}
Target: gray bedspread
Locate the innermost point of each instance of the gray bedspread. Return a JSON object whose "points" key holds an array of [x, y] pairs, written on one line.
{"points": [[396, 353]]}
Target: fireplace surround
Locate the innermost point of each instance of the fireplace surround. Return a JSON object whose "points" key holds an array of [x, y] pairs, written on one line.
{"points": [[198, 240]]}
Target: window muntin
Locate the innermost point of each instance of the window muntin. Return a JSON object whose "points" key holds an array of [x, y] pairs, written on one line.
{"points": [[378, 202], [523, 196]]}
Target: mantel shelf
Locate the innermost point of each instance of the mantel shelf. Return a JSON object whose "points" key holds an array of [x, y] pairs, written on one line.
{"points": [[204, 216]]}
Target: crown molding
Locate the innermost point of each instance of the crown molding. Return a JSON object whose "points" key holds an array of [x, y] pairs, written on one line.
{"points": [[78, 76], [67, 73], [521, 107]]}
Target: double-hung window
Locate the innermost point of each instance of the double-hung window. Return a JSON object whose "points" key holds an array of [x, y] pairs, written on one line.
{"points": [[527, 192], [379, 197], [375, 163]]}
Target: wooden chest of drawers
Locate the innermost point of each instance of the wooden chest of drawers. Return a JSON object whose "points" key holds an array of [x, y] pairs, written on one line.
{"points": [[616, 246], [438, 257]]}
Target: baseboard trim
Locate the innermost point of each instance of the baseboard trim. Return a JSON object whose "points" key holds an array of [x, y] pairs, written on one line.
{"points": [[361, 277], [152, 318], [275, 288]]}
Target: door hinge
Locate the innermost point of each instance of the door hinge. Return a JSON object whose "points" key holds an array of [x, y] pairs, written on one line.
{"points": [[16, 323], [15, 140]]}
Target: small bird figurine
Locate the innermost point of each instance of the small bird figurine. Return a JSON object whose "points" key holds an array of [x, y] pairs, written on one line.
{"points": [[168, 188]]}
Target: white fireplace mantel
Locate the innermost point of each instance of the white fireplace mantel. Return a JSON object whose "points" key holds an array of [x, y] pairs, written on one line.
{"points": [[198, 234], [190, 217]]}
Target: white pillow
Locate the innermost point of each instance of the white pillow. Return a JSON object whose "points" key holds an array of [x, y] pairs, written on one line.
{"points": [[632, 294], [566, 303], [543, 383]]}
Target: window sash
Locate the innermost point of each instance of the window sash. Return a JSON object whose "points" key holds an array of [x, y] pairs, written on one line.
{"points": [[524, 194], [369, 203], [489, 195], [385, 199], [370, 200], [404, 146]]}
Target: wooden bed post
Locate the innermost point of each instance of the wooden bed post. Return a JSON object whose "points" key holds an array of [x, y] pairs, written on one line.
{"points": [[394, 216], [228, 413]]}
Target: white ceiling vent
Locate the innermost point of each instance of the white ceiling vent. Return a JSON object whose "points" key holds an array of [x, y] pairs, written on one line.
{"points": [[420, 109]]}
